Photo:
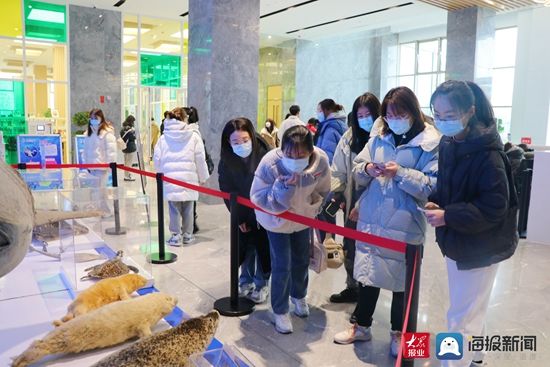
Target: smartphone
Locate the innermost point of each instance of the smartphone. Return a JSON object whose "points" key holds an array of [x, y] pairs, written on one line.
{"points": [[421, 209], [332, 208]]}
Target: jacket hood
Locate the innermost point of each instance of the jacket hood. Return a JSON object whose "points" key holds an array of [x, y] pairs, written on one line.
{"points": [[340, 115], [428, 139], [336, 120], [480, 138], [176, 130]]}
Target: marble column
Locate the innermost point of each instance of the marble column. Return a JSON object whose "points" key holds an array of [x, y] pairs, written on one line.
{"points": [[470, 46], [223, 65], [95, 61], [531, 100]]}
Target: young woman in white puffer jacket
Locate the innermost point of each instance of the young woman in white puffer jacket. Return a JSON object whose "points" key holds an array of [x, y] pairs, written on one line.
{"points": [[179, 154], [100, 147]]}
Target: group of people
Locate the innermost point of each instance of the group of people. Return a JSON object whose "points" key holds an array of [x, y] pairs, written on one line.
{"points": [[390, 168]]}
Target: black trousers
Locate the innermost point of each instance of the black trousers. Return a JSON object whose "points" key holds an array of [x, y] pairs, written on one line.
{"points": [[366, 304]]}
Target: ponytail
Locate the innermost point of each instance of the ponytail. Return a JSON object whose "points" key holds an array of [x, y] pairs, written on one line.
{"points": [[329, 105]]}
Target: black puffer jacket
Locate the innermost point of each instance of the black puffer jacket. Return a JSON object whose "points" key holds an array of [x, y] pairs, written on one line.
{"points": [[128, 134], [237, 177], [473, 186]]}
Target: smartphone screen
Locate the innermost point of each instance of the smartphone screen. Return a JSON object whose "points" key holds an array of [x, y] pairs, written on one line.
{"points": [[332, 209]]}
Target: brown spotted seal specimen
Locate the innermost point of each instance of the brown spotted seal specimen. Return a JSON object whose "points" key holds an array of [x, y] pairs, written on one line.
{"points": [[109, 325], [167, 348], [102, 293], [18, 217]]}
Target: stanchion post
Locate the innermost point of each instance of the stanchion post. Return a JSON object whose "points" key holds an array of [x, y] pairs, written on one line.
{"points": [[117, 230], [22, 166], [234, 305], [161, 257], [413, 254]]}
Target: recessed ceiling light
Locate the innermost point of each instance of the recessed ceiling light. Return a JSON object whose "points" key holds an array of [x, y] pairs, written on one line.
{"points": [[269, 37], [47, 16]]}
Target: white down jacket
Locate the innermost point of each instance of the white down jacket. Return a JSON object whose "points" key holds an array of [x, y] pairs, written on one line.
{"points": [[179, 154], [273, 195], [388, 207], [100, 148]]}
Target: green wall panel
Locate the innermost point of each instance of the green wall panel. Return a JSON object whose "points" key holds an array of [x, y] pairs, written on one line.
{"points": [[45, 21], [12, 116], [160, 70]]}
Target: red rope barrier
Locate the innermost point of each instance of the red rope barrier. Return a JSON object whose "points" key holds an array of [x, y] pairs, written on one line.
{"points": [[310, 222], [407, 313]]}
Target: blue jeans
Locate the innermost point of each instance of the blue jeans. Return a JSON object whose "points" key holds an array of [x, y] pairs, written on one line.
{"points": [[289, 267], [251, 270]]}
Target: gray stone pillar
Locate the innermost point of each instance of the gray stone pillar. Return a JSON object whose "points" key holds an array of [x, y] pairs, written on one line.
{"points": [[95, 61], [223, 65], [470, 46]]}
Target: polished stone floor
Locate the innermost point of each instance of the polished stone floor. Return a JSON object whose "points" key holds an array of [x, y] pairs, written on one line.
{"points": [[519, 304]]}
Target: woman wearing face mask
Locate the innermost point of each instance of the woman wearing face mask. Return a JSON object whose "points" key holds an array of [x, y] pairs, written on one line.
{"points": [[294, 178], [269, 134], [397, 170], [332, 125], [474, 207], [100, 147], [364, 112], [179, 154], [241, 152]]}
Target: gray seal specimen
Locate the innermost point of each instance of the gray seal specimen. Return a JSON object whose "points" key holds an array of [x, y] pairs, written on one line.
{"points": [[18, 217], [167, 348], [109, 325]]}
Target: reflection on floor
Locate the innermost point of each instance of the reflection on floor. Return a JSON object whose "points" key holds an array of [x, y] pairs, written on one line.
{"points": [[519, 304]]}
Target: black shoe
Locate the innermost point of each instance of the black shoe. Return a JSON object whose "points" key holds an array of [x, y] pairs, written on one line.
{"points": [[195, 228], [353, 319], [348, 295]]}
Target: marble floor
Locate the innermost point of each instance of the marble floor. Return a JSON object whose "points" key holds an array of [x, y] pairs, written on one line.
{"points": [[519, 304]]}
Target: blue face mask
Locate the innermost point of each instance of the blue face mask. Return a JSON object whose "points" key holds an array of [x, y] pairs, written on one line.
{"points": [[399, 126], [295, 165], [320, 116], [94, 122], [366, 123], [242, 150], [449, 127]]}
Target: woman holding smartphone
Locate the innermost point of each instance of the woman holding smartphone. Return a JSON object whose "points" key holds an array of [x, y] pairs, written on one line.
{"points": [[397, 170]]}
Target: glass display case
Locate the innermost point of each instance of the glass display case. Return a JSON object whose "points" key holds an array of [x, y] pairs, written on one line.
{"points": [[228, 356]]}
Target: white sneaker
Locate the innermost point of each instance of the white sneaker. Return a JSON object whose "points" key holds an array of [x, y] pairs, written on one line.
{"points": [[188, 238], [355, 333], [395, 345], [259, 295], [175, 240], [282, 323], [245, 289], [301, 309]]}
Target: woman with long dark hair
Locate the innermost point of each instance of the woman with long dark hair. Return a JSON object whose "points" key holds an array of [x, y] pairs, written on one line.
{"points": [[474, 207], [242, 149], [365, 111], [397, 170], [269, 133]]}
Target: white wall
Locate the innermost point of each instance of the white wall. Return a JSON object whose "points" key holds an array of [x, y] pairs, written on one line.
{"points": [[530, 111]]}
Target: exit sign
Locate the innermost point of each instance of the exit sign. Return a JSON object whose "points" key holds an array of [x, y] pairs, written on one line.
{"points": [[526, 140]]}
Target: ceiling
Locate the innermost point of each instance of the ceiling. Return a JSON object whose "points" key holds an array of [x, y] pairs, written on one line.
{"points": [[310, 14], [498, 5]]}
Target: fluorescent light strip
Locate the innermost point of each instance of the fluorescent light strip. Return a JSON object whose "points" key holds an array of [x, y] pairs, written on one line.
{"points": [[287, 8], [47, 16]]}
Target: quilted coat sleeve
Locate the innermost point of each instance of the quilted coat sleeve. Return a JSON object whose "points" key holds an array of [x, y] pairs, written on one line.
{"points": [[421, 181], [269, 192]]}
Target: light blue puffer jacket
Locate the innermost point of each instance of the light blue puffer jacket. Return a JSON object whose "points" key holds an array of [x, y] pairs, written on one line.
{"points": [[388, 207]]}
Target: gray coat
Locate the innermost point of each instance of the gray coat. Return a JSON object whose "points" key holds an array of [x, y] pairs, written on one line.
{"points": [[388, 207]]}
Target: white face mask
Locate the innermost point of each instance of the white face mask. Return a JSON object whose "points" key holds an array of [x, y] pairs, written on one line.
{"points": [[268, 125], [449, 127], [295, 165], [242, 150], [399, 126]]}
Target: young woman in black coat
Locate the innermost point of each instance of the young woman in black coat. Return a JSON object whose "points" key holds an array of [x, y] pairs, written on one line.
{"points": [[128, 134], [242, 149], [474, 207]]}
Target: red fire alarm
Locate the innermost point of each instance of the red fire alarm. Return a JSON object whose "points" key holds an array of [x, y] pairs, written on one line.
{"points": [[101, 99], [526, 140]]}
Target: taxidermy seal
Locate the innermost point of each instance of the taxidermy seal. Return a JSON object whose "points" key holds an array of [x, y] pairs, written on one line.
{"points": [[102, 293], [168, 348], [109, 325], [18, 217], [109, 269]]}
